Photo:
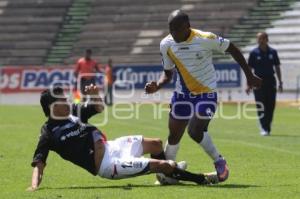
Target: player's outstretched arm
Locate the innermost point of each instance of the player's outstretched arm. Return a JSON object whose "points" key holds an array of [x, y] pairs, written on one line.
{"points": [[152, 87], [93, 91], [37, 175], [252, 80]]}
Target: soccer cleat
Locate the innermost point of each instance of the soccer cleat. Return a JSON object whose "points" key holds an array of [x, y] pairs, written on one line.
{"points": [[211, 178], [222, 169], [157, 181], [164, 180], [182, 165], [264, 133]]}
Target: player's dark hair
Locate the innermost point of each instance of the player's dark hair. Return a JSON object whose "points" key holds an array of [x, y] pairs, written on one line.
{"points": [[49, 96], [265, 35], [178, 16], [88, 51]]}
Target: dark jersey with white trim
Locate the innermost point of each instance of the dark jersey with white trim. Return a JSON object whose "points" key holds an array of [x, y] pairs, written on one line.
{"points": [[72, 139], [263, 62]]}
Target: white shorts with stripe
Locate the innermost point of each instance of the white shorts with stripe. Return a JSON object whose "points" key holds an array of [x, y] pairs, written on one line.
{"points": [[123, 158]]}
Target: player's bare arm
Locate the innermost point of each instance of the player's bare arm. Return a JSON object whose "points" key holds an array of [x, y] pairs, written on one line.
{"points": [[37, 175], [166, 77], [252, 80], [278, 74]]}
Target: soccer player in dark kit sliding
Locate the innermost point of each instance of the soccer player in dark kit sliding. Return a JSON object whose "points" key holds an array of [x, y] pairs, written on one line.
{"points": [[68, 133]]}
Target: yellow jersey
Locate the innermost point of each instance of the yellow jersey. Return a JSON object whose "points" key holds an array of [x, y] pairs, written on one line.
{"points": [[193, 60]]}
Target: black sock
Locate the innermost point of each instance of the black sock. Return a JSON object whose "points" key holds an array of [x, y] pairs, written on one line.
{"points": [[160, 156], [188, 176]]}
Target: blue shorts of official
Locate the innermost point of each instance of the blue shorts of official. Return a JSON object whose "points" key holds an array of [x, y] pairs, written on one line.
{"points": [[185, 106]]}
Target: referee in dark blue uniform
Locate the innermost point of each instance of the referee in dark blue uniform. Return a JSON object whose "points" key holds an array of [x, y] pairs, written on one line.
{"points": [[265, 62]]}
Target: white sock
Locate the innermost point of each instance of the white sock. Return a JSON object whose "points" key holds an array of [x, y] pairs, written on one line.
{"points": [[171, 151], [209, 147]]}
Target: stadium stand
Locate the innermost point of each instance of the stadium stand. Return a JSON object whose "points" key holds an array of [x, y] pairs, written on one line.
{"points": [[28, 29], [58, 31], [260, 18], [130, 30], [284, 36], [65, 38]]}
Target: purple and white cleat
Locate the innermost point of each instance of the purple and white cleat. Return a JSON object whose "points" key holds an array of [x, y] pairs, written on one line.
{"points": [[222, 169]]}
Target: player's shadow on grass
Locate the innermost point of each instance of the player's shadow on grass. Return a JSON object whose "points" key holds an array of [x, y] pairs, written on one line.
{"points": [[232, 186], [125, 187], [131, 186]]}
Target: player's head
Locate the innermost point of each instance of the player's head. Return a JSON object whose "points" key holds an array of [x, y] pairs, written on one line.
{"points": [[262, 38], [179, 25], [88, 54], [54, 103]]}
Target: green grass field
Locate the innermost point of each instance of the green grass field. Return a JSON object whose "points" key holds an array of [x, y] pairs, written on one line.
{"points": [[261, 167]]}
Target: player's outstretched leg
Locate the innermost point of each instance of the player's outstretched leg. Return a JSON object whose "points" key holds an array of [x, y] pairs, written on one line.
{"points": [[170, 169], [197, 130], [154, 147], [163, 168], [162, 179]]}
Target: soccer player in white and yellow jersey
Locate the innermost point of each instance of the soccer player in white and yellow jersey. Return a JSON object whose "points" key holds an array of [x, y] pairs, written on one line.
{"points": [[189, 52]]}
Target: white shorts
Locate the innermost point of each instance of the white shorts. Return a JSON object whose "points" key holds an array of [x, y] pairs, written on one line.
{"points": [[123, 158]]}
